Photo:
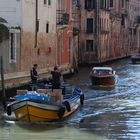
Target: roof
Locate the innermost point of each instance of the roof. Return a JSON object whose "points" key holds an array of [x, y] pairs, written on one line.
{"points": [[101, 68]]}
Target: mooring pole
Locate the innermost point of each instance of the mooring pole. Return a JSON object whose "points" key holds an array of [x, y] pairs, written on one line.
{"points": [[3, 85]]}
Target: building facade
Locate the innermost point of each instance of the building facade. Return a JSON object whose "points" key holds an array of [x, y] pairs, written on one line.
{"points": [[67, 32], [32, 28], [10, 35], [40, 31], [108, 29]]}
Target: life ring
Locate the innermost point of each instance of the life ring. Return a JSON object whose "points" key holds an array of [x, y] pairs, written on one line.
{"points": [[61, 112], [82, 97], [67, 105], [9, 110]]}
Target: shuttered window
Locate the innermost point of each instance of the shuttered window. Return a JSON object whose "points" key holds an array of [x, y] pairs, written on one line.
{"points": [[47, 27], [49, 2], [111, 3], [12, 51], [45, 1], [90, 4], [89, 25], [89, 46]]}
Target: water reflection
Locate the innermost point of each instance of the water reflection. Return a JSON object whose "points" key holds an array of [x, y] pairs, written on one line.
{"points": [[113, 113], [24, 131]]}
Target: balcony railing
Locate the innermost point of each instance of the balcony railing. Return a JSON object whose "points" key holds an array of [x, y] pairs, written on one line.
{"points": [[62, 18]]}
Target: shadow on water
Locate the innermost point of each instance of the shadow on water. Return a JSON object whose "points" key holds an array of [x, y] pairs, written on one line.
{"points": [[41, 126], [37, 127]]}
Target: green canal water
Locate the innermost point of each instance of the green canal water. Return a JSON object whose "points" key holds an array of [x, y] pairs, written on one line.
{"points": [[107, 114]]}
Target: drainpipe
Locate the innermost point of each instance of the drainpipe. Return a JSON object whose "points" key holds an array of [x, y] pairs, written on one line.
{"points": [[3, 84], [36, 22], [138, 38], [97, 29]]}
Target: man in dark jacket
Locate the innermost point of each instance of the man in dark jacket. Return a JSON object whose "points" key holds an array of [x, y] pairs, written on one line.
{"points": [[34, 77], [56, 78]]}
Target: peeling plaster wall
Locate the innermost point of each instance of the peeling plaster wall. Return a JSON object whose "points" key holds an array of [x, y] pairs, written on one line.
{"points": [[44, 55]]}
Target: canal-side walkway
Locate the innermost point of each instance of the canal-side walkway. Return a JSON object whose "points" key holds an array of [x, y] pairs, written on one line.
{"points": [[19, 79]]}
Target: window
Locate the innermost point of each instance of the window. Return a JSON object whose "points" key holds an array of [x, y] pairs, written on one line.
{"points": [[90, 4], [123, 3], [47, 27], [111, 3], [37, 25], [123, 20], [101, 3], [12, 51], [49, 2], [89, 25], [104, 4], [45, 1], [89, 45], [135, 31]]}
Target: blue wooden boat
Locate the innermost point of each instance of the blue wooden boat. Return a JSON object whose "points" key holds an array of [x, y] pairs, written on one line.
{"points": [[32, 106]]}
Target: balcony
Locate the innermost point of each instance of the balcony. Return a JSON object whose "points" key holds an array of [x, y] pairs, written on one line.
{"points": [[62, 18]]}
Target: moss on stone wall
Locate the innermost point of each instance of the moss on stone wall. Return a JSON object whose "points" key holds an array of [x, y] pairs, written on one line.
{"points": [[4, 32]]}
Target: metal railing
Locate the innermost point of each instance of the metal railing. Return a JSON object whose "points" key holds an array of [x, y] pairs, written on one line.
{"points": [[62, 17]]}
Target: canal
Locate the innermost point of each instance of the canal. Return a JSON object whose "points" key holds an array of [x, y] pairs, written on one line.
{"points": [[107, 114]]}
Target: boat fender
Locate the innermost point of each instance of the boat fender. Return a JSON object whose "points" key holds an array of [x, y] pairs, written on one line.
{"points": [[12, 99], [61, 112], [9, 110], [82, 97], [67, 105]]}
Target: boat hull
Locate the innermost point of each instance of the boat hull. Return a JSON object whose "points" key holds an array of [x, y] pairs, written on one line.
{"points": [[102, 77], [30, 111], [103, 81], [135, 59]]}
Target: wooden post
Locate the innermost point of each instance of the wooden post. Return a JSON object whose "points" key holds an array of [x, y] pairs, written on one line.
{"points": [[36, 22], [2, 84]]}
